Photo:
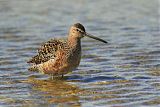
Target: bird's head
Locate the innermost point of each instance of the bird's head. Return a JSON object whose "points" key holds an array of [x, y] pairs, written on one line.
{"points": [[78, 31]]}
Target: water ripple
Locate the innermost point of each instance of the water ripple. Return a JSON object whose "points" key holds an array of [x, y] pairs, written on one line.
{"points": [[124, 72]]}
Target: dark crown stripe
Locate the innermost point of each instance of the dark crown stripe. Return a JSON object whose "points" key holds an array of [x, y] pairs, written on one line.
{"points": [[80, 26]]}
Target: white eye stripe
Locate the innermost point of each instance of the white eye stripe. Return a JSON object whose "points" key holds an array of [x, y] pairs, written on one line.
{"points": [[79, 30]]}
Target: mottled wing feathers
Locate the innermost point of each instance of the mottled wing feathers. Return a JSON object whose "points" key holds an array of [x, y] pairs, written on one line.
{"points": [[47, 51], [49, 47], [38, 59]]}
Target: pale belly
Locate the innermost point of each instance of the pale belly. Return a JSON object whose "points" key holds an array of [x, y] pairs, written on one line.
{"points": [[59, 66]]}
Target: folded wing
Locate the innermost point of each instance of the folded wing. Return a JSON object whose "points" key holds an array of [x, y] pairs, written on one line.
{"points": [[47, 51]]}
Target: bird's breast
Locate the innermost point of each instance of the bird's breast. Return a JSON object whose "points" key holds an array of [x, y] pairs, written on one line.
{"points": [[74, 57]]}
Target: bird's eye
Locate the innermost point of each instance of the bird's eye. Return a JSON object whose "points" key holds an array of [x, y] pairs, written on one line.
{"points": [[77, 30]]}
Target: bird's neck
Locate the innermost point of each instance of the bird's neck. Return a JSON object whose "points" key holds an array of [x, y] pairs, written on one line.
{"points": [[74, 42]]}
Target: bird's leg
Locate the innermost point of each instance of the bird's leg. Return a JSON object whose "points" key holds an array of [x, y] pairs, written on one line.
{"points": [[52, 76], [62, 75]]}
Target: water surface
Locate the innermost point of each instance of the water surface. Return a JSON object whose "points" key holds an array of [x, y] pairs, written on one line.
{"points": [[125, 72]]}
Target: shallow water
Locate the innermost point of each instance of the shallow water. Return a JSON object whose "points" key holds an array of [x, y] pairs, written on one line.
{"points": [[125, 72]]}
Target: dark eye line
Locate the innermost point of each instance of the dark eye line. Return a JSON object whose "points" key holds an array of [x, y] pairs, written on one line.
{"points": [[79, 30]]}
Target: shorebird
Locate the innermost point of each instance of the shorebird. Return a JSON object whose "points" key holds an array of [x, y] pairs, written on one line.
{"points": [[59, 57]]}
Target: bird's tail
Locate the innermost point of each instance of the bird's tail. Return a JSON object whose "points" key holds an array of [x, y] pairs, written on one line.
{"points": [[33, 68]]}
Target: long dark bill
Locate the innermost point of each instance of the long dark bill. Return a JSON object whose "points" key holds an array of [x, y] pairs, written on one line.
{"points": [[93, 37]]}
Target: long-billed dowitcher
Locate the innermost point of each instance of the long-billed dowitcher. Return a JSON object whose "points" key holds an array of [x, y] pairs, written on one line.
{"points": [[58, 57]]}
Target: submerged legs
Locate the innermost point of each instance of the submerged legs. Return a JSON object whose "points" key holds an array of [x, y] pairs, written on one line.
{"points": [[55, 76], [62, 76]]}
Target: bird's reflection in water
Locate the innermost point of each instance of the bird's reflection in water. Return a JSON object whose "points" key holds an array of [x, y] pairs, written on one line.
{"points": [[56, 91]]}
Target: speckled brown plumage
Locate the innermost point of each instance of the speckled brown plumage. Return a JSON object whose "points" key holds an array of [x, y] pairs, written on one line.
{"points": [[58, 57], [48, 51]]}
